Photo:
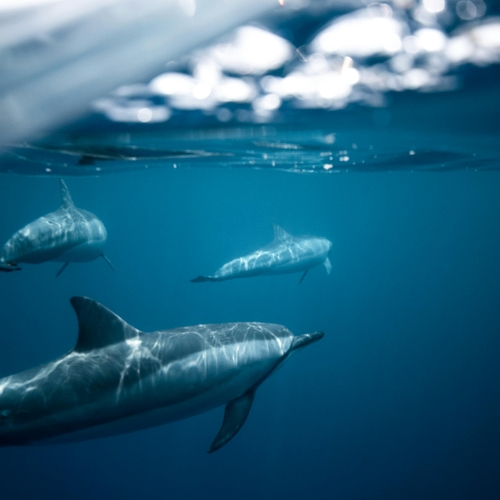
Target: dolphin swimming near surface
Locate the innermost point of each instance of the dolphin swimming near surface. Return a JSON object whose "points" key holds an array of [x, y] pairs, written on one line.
{"points": [[67, 235], [286, 254], [118, 379]]}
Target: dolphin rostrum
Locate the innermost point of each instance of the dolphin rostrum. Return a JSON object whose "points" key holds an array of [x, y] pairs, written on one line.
{"points": [[286, 254], [67, 235], [118, 379]]}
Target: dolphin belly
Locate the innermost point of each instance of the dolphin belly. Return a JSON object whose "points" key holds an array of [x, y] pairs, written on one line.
{"points": [[89, 250], [294, 265], [180, 389], [210, 399], [36, 256], [58, 253]]}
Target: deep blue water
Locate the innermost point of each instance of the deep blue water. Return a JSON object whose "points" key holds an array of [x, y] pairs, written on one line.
{"points": [[399, 400]]}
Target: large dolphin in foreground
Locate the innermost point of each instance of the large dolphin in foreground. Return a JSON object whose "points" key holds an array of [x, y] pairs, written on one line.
{"points": [[67, 235], [118, 379], [286, 254]]}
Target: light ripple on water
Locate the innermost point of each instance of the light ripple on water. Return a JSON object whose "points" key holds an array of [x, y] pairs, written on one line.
{"points": [[262, 147]]}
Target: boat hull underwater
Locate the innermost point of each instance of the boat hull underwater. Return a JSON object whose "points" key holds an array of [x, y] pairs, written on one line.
{"points": [[118, 379]]}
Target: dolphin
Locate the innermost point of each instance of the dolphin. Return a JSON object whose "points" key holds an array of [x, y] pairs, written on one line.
{"points": [[67, 235], [286, 254], [118, 379]]}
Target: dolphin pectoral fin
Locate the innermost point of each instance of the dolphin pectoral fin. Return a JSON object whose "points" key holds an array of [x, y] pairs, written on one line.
{"points": [[201, 279], [328, 265], [108, 261], [303, 276], [64, 266], [235, 415]]}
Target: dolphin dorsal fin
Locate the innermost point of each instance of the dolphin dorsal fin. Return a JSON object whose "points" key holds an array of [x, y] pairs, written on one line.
{"points": [[67, 202], [280, 234], [98, 326]]}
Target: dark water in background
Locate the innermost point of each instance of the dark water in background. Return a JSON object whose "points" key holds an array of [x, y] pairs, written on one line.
{"points": [[400, 400]]}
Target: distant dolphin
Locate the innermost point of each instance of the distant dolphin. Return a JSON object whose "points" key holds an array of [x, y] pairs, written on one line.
{"points": [[286, 254], [118, 379], [67, 235]]}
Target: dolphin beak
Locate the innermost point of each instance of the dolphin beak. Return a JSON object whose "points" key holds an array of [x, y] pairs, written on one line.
{"points": [[306, 339]]}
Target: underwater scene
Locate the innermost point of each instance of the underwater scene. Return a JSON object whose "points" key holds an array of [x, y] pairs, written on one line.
{"points": [[262, 265]]}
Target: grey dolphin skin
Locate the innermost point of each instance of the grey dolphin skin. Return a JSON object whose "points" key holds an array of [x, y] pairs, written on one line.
{"points": [[286, 254], [67, 235], [118, 379]]}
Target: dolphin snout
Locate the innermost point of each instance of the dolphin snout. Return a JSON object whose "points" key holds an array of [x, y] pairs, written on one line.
{"points": [[306, 339]]}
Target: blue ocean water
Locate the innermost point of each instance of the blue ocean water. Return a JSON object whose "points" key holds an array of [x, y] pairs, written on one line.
{"points": [[399, 400]]}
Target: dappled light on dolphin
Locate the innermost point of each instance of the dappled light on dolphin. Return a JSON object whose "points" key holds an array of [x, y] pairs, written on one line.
{"points": [[69, 234], [118, 379], [285, 255]]}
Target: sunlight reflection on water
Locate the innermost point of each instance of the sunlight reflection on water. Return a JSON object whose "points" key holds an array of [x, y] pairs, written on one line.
{"points": [[357, 57]]}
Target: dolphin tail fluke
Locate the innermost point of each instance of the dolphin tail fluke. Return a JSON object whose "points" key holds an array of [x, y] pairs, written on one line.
{"points": [[303, 276], [64, 266], [5, 267], [201, 279], [306, 339], [108, 261], [235, 415]]}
